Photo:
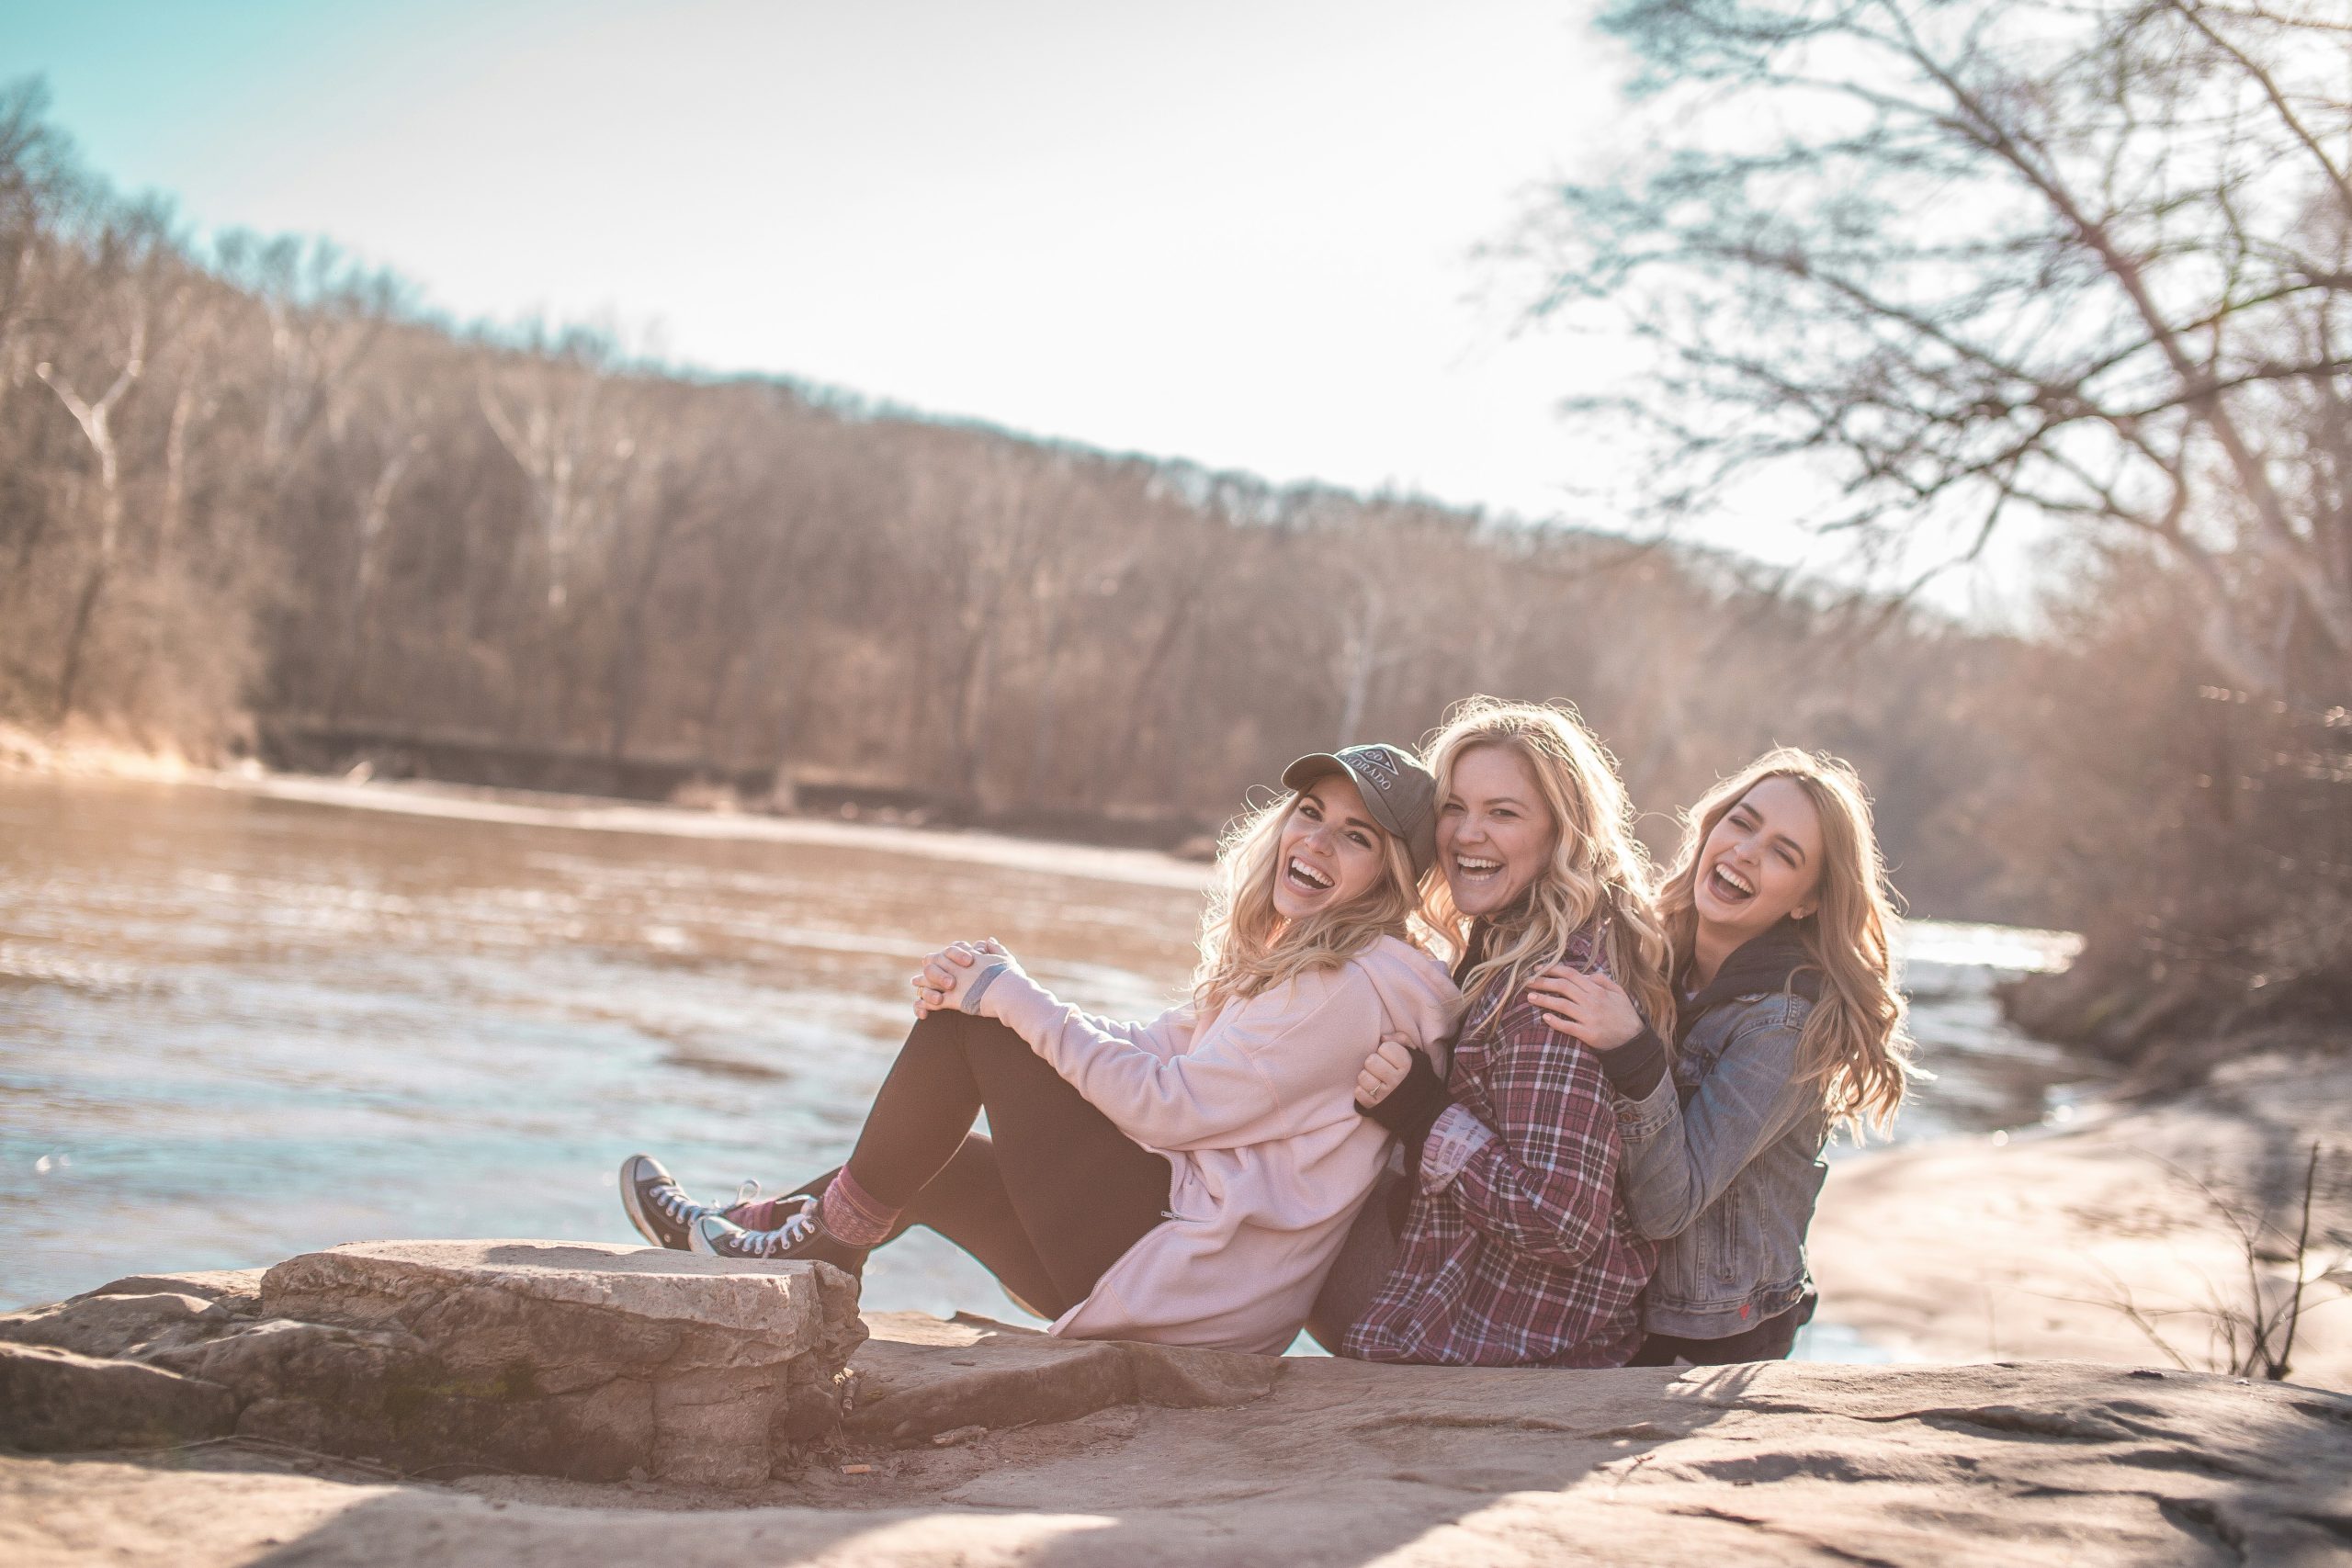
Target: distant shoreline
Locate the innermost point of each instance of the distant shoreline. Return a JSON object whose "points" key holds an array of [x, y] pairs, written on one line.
{"points": [[530, 809], [26, 756], [2020, 948]]}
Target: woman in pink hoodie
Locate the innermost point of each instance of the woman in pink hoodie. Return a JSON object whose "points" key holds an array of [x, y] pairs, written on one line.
{"points": [[1188, 1179]]}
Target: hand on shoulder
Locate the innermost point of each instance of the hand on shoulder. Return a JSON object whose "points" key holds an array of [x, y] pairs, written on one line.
{"points": [[1591, 1008]]}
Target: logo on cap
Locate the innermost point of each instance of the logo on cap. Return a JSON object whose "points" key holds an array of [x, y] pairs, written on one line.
{"points": [[1378, 759]]}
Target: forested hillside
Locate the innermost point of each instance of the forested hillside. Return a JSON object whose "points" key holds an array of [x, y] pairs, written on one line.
{"points": [[250, 485]]}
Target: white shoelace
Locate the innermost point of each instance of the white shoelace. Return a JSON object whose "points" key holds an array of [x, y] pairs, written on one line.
{"points": [[672, 1200], [784, 1237]]}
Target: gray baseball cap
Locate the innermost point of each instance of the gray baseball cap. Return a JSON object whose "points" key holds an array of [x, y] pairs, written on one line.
{"points": [[1398, 789]]}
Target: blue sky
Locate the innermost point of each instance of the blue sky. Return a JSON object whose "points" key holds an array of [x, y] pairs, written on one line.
{"points": [[1241, 233]]}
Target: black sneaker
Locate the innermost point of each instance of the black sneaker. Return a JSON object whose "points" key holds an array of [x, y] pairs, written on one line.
{"points": [[803, 1237], [755, 1213], [657, 1205]]}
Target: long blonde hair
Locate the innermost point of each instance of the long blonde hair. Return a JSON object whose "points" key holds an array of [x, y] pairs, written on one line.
{"points": [[1598, 870], [1854, 1048], [1246, 944]]}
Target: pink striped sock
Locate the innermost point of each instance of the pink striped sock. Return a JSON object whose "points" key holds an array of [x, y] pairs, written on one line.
{"points": [[760, 1213], [853, 1216]]}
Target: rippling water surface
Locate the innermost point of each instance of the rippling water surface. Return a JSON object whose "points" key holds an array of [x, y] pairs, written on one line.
{"points": [[235, 1026]]}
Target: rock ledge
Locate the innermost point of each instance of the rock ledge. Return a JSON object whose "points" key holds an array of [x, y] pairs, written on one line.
{"points": [[712, 1440], [585, 1361]]}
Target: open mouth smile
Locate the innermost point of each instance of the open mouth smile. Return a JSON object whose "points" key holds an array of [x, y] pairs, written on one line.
{"points": [[1728, 886], [1305, 879], [1477, 868]]}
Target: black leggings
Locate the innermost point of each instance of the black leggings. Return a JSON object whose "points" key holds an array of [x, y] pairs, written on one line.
{"points": [[1048, 1205]]}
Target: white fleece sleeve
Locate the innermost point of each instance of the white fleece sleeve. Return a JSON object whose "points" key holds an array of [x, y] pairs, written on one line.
{"points": [[1245, 1076]]}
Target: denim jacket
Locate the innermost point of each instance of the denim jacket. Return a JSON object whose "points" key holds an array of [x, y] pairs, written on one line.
{"points": [[1723, 1165]]}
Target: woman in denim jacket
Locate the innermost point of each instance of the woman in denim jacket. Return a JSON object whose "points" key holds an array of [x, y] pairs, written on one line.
{"points": [[1788, 1023]]}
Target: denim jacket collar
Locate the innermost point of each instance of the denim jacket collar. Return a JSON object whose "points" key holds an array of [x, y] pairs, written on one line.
{"points": [[1773, 961]]}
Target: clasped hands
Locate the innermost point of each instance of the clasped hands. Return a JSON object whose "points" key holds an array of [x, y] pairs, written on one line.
{"points": [[1590, 1008], [946, 975]]}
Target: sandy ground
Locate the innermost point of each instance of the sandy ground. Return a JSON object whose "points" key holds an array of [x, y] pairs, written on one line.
{"points": [[2046, 1244], [81, 751]]}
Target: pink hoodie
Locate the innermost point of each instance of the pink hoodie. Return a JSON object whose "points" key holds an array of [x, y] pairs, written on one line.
{"points": [[1255, 1110]]}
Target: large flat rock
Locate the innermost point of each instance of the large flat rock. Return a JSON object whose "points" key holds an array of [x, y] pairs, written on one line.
{"points": [[549, 1359], [1342, 1464], [119, 1323], [646, 1432], [918, 1376], [53, 1400], [239, 1289], [757, 1310]]}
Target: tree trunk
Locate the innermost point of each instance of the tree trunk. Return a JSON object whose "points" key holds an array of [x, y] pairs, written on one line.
{"points": [[97, 428], [375, 512], [77, 633]]}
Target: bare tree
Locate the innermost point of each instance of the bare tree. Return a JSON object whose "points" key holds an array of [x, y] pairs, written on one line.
{"points": [[1999, 257], [671, 496], [550, 406], [323, 315], [986, 499], [397, 440], [34, 185], [129, 257]]}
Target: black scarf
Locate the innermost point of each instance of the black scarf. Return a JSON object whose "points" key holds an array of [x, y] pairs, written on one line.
{"points": [[1474, 951], [1777, 960]]}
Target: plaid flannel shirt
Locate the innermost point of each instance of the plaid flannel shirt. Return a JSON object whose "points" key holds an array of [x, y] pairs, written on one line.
{"points": [[1523, 1254]]}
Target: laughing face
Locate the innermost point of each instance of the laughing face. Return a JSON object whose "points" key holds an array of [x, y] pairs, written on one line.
{"points": [[1761, 861], [1330, 852], [1495, 835]]}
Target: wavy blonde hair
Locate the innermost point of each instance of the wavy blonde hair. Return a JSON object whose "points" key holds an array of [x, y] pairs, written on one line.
{"points": [[1854, 1048], [1598, 869], [1246, 944]]}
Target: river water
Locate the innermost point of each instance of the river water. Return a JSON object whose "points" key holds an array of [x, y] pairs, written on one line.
{"points": [[244, 1020]]}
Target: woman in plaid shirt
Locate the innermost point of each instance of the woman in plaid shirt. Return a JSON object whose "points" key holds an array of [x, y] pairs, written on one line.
{"points": [[1515, 1248]]}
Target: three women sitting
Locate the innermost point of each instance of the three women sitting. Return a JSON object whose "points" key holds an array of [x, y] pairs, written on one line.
{"points": [[1572, 1192]]}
